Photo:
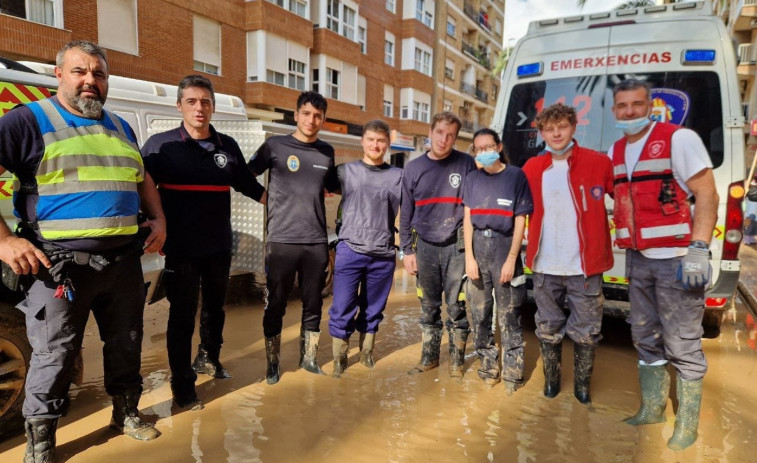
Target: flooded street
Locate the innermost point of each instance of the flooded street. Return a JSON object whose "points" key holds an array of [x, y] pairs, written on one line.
{"points": [[386, 415]]}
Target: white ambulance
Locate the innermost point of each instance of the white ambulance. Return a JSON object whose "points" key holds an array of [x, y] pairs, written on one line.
{"points": [[684, 51]]}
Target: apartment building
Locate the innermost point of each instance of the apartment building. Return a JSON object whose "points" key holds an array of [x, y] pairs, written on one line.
{"points": [[399, 60]]}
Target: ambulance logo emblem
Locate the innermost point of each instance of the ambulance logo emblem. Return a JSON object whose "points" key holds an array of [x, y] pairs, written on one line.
{"points": [[656, 148], [293, 163], [455, 179], [220, 159], [597, 192]]}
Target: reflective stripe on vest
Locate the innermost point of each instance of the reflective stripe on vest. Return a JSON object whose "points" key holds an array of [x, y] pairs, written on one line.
{"points": [[88, 176]]}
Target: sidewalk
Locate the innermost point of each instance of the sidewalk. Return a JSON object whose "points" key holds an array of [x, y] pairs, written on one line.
{"points": [[747, 287]]}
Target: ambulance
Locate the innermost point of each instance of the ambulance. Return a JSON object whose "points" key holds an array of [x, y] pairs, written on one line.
{"points": [[684, 51]]}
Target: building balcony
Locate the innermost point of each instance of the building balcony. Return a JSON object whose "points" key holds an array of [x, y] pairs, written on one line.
{"points": [[482, 95], [479, 54], [747, 59], [470, 126], [468, 89], [747, 16]]}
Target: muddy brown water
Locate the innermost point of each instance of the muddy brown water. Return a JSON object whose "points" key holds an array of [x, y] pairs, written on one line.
{"points": [[386, 415]]}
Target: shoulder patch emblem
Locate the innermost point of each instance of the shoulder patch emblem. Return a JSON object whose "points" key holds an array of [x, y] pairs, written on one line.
{"points": [[455, 179], [293, 163], [220, 159]]}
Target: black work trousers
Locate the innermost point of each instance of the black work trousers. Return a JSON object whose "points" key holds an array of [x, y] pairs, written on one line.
{"points": [[184, 276], [282, 262]]}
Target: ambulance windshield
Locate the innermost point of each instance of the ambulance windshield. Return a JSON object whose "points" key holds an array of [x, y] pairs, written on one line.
{"points": [[690, 99]]}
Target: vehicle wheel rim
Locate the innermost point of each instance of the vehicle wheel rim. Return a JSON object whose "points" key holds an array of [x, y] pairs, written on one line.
{"points": [[12, 374]]}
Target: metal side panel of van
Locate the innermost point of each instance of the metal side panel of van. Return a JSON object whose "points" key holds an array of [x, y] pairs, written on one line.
{"points": [[577, 61]]}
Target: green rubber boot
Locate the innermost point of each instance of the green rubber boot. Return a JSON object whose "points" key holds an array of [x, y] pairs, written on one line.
{"points": [[655, 386], [366, 349], [340, 348], [687, 418]]}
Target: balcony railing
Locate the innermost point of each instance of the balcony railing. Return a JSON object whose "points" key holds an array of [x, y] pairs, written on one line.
{"points": [[482, 95], [470, 89], [750, 2], [747, 53], [469, 49], [481, 55], [470, 126], [470, 11]]}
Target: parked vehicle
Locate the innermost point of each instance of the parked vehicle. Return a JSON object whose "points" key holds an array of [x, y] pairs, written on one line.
{"points": [[684, 51]]}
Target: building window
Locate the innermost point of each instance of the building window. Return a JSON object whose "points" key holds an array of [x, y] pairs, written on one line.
{"points": [[348, 25], [315, 81], [332, 15], [449, 72], [447, 106], [421, 14], [423, 61], [117, 25], [296, 74], [389, 53], [391, 5], [404, 113], [332, 84], [451, 25], [388, 108], [420, 111], [298, 7], [274, 77], [207, 45], [48, 12], [361, 39]]}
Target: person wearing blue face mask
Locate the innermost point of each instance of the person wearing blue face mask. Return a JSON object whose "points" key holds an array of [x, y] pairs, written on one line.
{"points": [[568, 246], [658, 167], [496, 199]]}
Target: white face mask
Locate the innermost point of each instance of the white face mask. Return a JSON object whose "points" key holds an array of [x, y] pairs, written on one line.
{"points": [[633, 126], [559, 152]]}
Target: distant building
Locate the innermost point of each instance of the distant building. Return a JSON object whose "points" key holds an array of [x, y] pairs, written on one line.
{"points": [[401, 60]]}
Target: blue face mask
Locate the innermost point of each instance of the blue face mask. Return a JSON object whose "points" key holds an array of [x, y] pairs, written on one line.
{"points": [[487, 158], [559, 152], [633, 126]]}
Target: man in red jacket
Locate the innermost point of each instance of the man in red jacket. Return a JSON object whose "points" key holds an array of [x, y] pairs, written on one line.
{"points": [[568, 184]]}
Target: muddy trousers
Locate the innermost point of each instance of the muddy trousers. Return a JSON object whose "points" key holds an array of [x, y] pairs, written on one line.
{"points": [[584, 298], [284, 261], [184, 278], [666, 320], [490, 250], [440, 272], [361, 286], [55, 327]]}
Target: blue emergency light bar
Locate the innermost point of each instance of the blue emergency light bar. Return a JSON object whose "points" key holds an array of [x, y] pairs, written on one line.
{"points": [[530, 69], [698, 57]]}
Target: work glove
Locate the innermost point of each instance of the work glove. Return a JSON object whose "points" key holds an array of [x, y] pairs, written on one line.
{"points": [[694, 269]]}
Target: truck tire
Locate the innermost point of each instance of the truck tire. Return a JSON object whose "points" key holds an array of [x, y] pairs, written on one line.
{"points": [[711, 323], [15, 353]]}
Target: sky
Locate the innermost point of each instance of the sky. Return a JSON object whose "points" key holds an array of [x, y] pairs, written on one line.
{"points": [[518, 13]]}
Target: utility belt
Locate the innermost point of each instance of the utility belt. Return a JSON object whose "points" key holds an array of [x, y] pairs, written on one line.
{"points": [[456, 238], [490, 233]]}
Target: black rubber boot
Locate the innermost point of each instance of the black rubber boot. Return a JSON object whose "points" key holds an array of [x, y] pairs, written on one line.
{"points": [[207, 362], [583, 365], [457, 340], [366, 349], [687, 418], [40, 440], [655, 387], [551, 354], [431, 337], [272, 354], [126, 417], [309, 351], [340, 348]]}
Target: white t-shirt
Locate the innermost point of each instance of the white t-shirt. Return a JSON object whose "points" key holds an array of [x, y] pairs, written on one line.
{"points": [[688, 157], [559, 249]]}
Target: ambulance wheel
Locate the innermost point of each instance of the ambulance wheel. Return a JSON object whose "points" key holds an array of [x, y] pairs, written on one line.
{"points": [[329, 286], [711, 323], [15, 353]]}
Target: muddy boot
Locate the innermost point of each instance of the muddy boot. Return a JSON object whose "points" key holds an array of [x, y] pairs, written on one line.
{"points": [[687, 418], [340, 347], [126, 417], [551, 354], [655, 387], [583, 364], [272, 350], [309, 351], [40, 440], [366, 349], [457, 340], [489, 371], [431, 338], [207, 362]]}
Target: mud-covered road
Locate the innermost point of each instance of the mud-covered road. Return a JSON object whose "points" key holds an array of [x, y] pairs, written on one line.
{"points": [[385, 415]]}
